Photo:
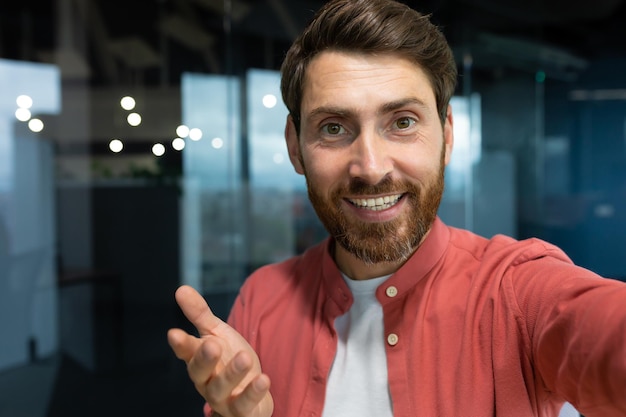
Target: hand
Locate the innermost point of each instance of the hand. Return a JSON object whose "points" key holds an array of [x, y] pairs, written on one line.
{"points": [[222, 365]]}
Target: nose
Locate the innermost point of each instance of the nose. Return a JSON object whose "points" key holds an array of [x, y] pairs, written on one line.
{"points": [[370, 158]]}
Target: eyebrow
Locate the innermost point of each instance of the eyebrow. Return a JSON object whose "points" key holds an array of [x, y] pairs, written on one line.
{"points": [[385, 108], [339, 111], [398, 104]]}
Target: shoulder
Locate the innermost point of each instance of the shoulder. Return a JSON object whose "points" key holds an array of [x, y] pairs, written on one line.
{"points": [[504, 250], [273, 278], [273, 291]]}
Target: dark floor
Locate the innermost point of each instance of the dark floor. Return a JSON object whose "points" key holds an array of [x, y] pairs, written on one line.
{"points": [[135, 372], [60, 387], [113, 361]]}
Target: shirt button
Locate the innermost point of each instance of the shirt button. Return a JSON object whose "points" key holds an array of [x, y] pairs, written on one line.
{"points": [[392, 339], [391, 291]]}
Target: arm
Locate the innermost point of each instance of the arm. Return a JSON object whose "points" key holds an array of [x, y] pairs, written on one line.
{"points": [[577, 325], [223, 367]]}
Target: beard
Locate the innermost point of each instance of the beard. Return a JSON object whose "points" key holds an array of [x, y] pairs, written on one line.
{"points": [[378, 242]]}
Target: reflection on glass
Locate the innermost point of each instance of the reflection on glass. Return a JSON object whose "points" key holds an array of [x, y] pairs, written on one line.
{"points": [[266, 134], [283, 222], [214, 212], [28, 296], [457, 203]]}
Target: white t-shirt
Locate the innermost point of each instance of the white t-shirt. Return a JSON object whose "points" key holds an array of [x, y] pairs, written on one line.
{"points": [[358, 385]]}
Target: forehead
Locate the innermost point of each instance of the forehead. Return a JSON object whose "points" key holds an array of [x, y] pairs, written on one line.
{"points": [[337, 76]]}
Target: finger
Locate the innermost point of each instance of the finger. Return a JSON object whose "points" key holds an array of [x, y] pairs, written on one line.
{"points": [[204, 363], [183, 344], [252, 396], [197, 311], [224, 385]]}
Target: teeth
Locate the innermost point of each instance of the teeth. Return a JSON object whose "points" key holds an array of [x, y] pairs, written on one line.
{"points": [[376, 204]]}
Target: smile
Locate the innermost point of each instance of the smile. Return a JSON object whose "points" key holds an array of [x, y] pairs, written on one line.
{"points": [[376, 204]]}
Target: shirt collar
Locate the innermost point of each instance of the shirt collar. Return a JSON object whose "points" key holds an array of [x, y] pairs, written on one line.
{"points": [[414, 269], [421, 263]]}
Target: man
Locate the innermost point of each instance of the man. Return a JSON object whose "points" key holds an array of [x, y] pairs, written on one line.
{"points": [[397, 314]]}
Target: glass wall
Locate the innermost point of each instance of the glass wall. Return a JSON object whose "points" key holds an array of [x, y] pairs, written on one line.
{"points": [[141, 147], [30, 93]]}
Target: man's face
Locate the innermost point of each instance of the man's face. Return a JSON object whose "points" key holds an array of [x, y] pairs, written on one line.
{"points": [[373, 151]]}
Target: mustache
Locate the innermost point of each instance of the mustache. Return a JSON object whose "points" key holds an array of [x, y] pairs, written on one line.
{"points": [[386, 185]]}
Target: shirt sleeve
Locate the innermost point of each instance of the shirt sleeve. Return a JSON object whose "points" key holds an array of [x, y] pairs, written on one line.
{"points": [[576, 323], [236, 316]]}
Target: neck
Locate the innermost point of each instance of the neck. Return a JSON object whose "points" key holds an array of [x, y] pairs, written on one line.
{"points": [[356, 269]]}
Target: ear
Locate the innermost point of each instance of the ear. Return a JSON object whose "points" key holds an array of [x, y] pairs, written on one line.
{"points": [[293, 145], [448, 134]]}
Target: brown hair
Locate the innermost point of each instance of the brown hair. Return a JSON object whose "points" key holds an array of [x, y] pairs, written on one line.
{"points": [[370, 26]]}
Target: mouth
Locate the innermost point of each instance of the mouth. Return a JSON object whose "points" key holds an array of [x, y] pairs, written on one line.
{"points": [[376, 204]]}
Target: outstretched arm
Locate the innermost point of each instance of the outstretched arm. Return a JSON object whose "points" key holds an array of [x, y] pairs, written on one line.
{"points": [[222, 365]]}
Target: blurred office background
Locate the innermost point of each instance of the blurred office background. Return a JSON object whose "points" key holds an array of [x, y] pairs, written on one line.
{"points": [[141, 147]]}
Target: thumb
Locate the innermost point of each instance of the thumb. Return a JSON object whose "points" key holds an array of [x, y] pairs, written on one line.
{"points": [[197, 311]]}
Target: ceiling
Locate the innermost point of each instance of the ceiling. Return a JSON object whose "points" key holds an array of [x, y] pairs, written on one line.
{"points": [[151, 42]]}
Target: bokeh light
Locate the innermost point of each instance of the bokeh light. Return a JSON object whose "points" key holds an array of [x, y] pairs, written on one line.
{"points": [[22, 114], [182, 131], [278, 158], [195, 134], [116, 145], [269, 101], [35, 125], [217, 143], [24, 102], [178, 144], [158, 149], [134, 119], [127, 103]]}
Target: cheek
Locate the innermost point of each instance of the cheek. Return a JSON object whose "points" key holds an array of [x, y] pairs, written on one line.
{"points": [[421, 163], [322, 176], [417, 169], [323, 168]]}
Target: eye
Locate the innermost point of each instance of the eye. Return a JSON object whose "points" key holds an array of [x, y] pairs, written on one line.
{"points": [[333, 129], [404, 123]]}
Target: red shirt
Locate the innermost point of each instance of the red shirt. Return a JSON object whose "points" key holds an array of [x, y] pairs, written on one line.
{"points": [[473, 326]]}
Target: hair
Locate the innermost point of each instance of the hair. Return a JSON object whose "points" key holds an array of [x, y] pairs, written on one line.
{"points": [[370, 27]]}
